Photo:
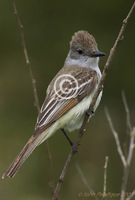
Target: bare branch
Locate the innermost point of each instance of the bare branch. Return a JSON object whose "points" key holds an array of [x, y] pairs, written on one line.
{"points": [[124, 182], [128, 161], [81, 132], [85, 181], [130, 151], [131, 196], [27, 57], [129, 126], [52, 183], [34, 87], [131, 146], [61, 178], [105, 176], [115, 134]]}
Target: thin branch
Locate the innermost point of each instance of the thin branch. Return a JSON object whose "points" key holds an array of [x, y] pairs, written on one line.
{"points": [[131, 196], [131, 146], [61, 178], [115, 134], [33, 86], [126, 161], [124, 182], [91, 191], [129, 126], [130, 150], [127, 167], [81, 132], [27, 57], [105, 177], [52, 183]]}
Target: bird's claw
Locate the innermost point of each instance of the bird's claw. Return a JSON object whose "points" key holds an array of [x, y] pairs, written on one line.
{"points": [[90, 114], [74, 149]]}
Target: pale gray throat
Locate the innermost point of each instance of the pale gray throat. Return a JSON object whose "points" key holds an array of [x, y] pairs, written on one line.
{"points": [[84, 61]]}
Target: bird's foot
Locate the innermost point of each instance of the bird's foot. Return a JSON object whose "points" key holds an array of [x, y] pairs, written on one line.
{"points": [[74, 149], [90, 114]]}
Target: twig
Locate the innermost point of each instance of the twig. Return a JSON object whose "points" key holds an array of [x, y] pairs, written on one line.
{"points": [[130, 150], [51, 184], [105, 176], [33, 86], [129, 126], [131, 145], [81, 132], [85, 181], [27, 57], [131, 196], [127, 167], [126, 161], [61, 178], [116, 137], [128, 123]]}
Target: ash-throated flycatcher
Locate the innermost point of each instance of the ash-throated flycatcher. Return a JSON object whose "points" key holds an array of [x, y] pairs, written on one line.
{"points": [[68, 96]]}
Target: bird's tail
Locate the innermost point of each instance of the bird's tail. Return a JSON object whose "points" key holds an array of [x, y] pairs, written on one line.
{"points": [[24, 154]]}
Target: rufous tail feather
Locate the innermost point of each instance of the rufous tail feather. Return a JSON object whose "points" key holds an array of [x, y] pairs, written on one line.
{"points": [[24, 154]]}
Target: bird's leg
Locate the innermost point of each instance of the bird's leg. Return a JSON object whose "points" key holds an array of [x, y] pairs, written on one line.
{"points": [[70, 142]]}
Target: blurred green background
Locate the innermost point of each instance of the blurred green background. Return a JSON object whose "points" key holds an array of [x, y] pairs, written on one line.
{"points": [[48, 27]]}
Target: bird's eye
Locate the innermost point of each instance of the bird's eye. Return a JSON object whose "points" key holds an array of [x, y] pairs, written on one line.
{"points": [[80, 51]]}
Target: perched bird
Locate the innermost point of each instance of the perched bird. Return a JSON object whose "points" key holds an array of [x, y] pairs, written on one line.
{"points": [[68, 96]]}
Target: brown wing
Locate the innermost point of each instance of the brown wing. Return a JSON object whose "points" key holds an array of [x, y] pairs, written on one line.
{"points": [[69, 87]]}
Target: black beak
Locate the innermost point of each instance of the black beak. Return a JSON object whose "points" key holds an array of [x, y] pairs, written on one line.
{"points": [[97, 54]]}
